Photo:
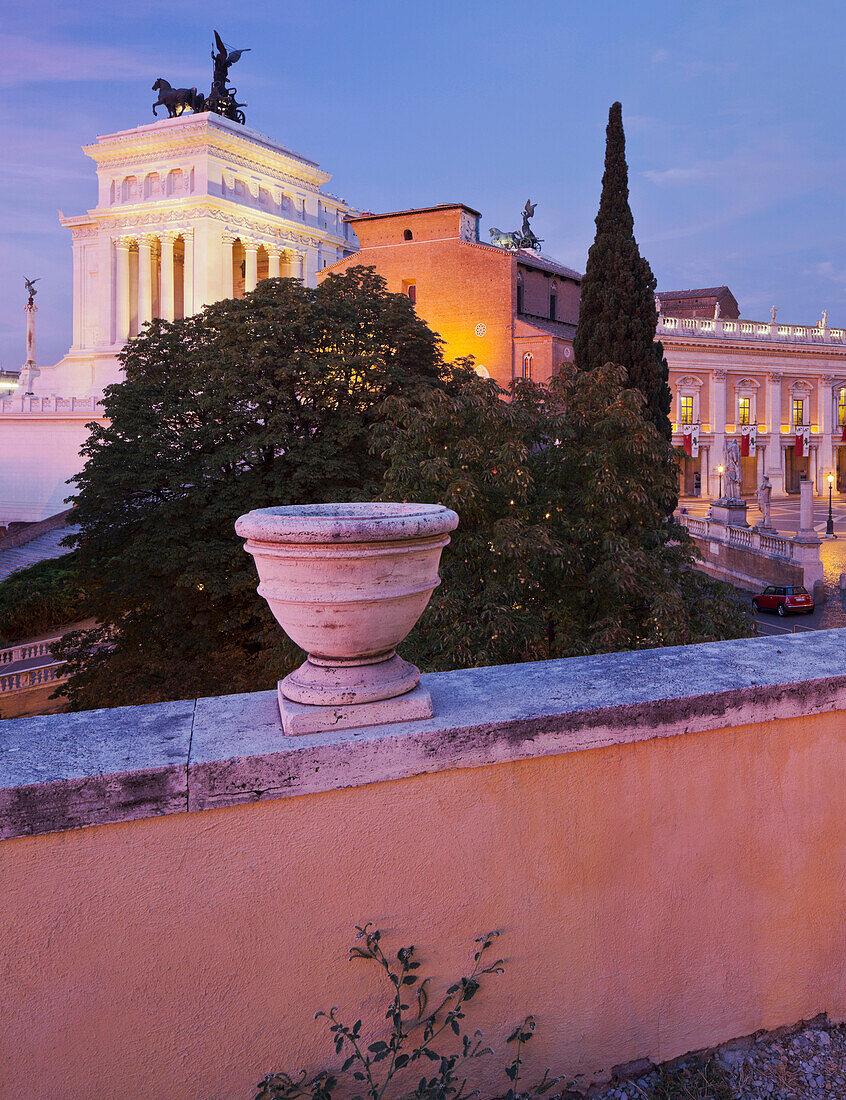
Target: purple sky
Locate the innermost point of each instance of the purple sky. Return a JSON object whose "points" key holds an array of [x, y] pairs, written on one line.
{"points": [[733, 111]]}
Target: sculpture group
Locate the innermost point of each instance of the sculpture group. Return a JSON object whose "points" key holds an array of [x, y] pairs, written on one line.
{"points": [[519, 238], [221, 99]]}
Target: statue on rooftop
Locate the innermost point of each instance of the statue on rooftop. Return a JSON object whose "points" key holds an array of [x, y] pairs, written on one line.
{"points": [[31, 291], [773, 313], [519, 238], [716, 311], [824, 319], [221, 99]]}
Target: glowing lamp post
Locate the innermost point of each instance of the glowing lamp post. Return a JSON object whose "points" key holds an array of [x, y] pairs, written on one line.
{"points": [[829, 527], [721, 470]]}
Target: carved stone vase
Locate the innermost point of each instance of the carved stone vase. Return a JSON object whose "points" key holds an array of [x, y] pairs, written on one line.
{"points": [[347, 582]]}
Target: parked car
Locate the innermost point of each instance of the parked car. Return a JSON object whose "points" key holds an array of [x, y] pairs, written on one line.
{"points": [[785, 599]]}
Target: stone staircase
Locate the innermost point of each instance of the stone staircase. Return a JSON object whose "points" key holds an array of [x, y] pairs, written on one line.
{"points": [[39, 549]]}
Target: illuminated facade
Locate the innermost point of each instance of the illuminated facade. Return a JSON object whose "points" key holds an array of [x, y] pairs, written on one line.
{"points": [[774, 383], [515, 312], [190, 210]]}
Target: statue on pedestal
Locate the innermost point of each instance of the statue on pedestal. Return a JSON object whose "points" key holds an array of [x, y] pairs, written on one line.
{"points": [[734, 476], [764, 493], [519, 238], [31, 291]]}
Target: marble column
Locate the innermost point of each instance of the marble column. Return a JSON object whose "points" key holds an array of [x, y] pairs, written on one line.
{"points": [[775, 462], [718, 413], [122, 306], [166, 309], [145, 279], [228, 278], [188, 273], [250, 266], [825, 419], [78, 293], [704, 471], [272, 262]]}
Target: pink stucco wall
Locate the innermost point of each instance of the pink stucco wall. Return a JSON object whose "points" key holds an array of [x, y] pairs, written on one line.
{"points": [[654, 897]]}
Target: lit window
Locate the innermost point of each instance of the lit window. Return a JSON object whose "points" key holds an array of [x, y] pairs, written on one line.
{"points": [[407, 235], [527, 367], [687, 410], [744, 409], [798, 410], [841, 408]]}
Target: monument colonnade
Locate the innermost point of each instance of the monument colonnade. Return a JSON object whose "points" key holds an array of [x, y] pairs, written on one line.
{"points": [[173, 273]]}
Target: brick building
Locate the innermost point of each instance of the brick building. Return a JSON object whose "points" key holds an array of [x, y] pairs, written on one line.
{"points": [[515, 312], [699, 303]]}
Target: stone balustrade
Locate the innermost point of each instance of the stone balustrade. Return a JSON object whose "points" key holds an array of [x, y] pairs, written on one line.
{"points": [[26, 652], [12, 682], [62, 407], [763, 332]]}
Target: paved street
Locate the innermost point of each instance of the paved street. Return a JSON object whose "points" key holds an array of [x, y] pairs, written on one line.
{"points": [[784, 515]]}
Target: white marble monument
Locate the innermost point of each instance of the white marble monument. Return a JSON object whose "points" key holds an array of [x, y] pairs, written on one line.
{"points": [[190, 210]]}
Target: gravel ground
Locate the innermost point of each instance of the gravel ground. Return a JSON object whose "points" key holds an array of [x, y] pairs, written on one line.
{"points": [[808, 1063]]}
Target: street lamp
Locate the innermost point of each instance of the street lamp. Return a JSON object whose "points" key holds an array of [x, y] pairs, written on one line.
{"points": [[721, 470], [829, 527]]}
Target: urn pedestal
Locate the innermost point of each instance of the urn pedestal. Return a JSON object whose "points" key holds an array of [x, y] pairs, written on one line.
{"points": [[347, 582]]}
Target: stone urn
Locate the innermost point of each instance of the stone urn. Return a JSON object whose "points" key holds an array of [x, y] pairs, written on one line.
{"points": [[347, 582]]}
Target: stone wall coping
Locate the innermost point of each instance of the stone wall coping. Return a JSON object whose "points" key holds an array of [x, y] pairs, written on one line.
{"points": [[98, 767]]}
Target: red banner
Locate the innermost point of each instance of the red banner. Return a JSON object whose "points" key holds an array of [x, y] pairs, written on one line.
{"points": [[744, 445], [843, 437], [800, 444], [687, 440]]}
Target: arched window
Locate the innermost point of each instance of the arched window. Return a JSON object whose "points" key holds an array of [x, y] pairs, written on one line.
{"points": [[408, 235], [527, 366], [553, 300]]}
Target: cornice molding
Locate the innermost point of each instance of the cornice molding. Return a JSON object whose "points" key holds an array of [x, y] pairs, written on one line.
{"points": [[779, 350]]}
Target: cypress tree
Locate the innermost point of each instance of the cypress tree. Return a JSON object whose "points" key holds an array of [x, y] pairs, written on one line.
{"points": [[618, 317]]}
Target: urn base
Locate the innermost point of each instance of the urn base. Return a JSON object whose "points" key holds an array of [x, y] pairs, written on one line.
{"points": [[298, 718], [324, 682]]}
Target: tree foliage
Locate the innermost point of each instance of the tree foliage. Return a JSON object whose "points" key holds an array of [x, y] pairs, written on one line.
{"points": [[266, 400], [564, 547], [40, 597], [617, 316]]}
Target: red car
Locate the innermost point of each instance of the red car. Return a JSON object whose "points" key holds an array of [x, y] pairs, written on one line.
{"points": [[784, 599]]}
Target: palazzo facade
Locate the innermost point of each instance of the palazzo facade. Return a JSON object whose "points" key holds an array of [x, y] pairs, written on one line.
{"points": [[190, 210], [780, 381]]}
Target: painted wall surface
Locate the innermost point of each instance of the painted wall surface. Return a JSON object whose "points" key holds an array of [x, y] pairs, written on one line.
{"points": [[654, 898], [36, 458]]}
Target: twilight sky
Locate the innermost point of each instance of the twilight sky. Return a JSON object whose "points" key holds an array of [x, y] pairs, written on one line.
{"points": [[734, 115]]}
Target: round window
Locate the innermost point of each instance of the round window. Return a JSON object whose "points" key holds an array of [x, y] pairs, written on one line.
{"points": [[481, 329]]}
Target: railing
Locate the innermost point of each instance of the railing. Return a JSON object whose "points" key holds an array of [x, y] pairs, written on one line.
{"points": [[773, 546], [13, 682], [52, 405], [26, 652], [771, 333]]}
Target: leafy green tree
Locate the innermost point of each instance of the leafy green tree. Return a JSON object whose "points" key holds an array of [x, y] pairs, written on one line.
{"points": [[564, 547], [617, 316], [254, 402]]}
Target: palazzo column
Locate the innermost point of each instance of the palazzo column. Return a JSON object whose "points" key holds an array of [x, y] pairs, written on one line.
{"points": [[188, 274], [122, 310], [718, 412], [826, 423], [251, 266], [166, 309], [272, 262], [775, 469], [145, 278], [228, 281]]}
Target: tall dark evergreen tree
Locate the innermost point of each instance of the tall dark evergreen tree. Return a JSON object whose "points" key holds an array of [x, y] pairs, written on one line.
{"points": [[618, 318]]}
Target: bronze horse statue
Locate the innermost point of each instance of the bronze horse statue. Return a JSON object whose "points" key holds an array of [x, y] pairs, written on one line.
{"points": [[177, 100]]}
